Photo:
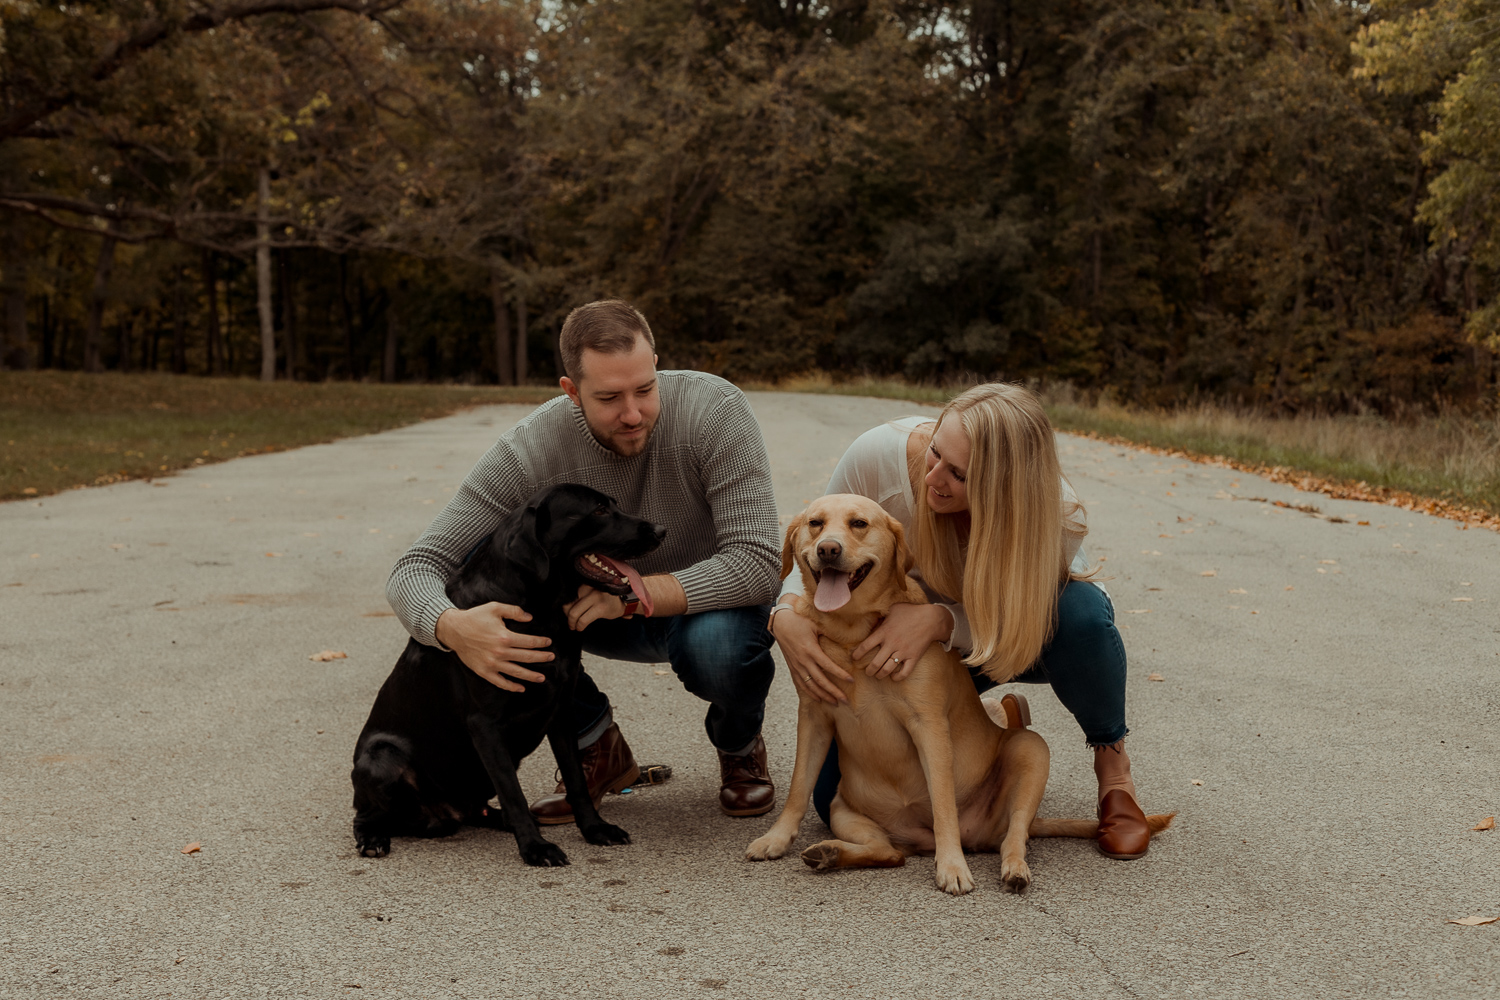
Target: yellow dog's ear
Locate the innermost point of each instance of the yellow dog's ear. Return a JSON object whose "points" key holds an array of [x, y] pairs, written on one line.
{"points": [[903, 553], [788, 559]]}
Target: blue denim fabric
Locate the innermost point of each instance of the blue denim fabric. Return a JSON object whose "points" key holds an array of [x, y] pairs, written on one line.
{"points": [[1084, 662], [722, 656]]}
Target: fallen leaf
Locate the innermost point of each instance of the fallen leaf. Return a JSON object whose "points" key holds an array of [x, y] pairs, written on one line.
{"points": [[1239, 590], [1155, 677], [272, 555], [1139, 611], [1163, 536], [1322, 570], [1365, 523], [374, 531], [116, 545], [1255, 612], [1170, 493], [329, 654], [1467, 600], [661, 673], [1472, 921], [1197, 782], [29, 491], [1209, 572], [1488, 823], [1465, 584], [1291, 588], [192, 848], [1329, 562]]}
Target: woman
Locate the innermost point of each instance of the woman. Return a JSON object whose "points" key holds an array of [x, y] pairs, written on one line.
{"points": [[984, 481]]}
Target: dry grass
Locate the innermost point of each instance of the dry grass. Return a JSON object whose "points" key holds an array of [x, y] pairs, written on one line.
{"points": [[1449, 456], [60, 430]]}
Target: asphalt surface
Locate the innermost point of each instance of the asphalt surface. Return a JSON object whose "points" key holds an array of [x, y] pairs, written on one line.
{"points": [[1325, 725]]}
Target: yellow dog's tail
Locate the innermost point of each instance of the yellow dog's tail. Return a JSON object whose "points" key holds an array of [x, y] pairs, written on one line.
{"points": [[1089, 828]]}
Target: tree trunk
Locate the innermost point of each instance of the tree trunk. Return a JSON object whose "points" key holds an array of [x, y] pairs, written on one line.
{"points": [[124, 342], [504, 349], [392, 335], [263, 277], [179, 326], [91, 359], [49, 333], [347, 314], [211, 292], [296, 354], [520, 337], [15, 346]]}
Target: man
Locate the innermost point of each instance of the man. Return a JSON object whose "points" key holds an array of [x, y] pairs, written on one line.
{"points": [[679, 448]]}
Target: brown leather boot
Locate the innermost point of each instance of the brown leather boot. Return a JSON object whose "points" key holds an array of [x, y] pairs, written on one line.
{"points": [[746, 788], [608, 766], [1123, 833]]}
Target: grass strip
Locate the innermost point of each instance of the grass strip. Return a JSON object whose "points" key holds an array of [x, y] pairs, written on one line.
{"points": [[65, 430]]}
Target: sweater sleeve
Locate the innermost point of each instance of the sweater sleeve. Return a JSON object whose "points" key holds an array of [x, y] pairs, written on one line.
{"points": [[417, 587], [736, 476]]}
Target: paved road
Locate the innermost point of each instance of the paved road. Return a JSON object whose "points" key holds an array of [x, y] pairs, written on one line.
{"points": [[1325, 724]]}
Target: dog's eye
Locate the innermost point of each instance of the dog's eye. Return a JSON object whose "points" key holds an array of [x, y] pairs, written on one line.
{"points": [[859, 523], [601, 511], [813, 522]]}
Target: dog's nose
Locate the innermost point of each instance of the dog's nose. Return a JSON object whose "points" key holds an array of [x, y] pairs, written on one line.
{"points": [[656, 531], [830, 550]]}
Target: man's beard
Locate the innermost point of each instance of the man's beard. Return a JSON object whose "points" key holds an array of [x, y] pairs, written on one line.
{"points": [[637, 444]]}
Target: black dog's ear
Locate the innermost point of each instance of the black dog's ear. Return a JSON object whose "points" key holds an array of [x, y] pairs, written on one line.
{"points": [[525, 549]]}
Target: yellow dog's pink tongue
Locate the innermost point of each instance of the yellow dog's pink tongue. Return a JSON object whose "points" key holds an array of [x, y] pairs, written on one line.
{"points": [[833, 591], [635, 582]]}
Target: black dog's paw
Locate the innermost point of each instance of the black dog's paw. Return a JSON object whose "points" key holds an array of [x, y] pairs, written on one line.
{"points": [[605, 834], [544, 855], [373, 845]]}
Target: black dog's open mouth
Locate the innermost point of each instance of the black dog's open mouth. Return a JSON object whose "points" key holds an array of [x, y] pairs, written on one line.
{"points": [[613, 575], [835, 586]]}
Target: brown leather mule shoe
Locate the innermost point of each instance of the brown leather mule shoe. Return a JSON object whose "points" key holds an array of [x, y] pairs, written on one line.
{"points": [[1123, 833], [608, 766], [746, 789]]}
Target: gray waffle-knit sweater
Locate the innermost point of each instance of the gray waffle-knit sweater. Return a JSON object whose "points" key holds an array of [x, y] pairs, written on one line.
{"points": [[704, 475]]}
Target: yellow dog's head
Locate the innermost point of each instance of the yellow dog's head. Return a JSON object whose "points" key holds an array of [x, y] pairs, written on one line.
{"points": [[852, 555]]}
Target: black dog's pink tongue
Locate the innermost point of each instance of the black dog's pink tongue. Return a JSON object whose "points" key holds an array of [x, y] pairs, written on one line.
{"points": [[833, 591], [636, 584]]}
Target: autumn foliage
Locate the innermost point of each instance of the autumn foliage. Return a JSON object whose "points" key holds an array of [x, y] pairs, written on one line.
{"points": [[1291, 205]]}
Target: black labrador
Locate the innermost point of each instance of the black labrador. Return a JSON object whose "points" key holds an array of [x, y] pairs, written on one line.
{"points": [[440, 740]]}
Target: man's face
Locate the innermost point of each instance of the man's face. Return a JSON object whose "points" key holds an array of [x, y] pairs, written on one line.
{"points": [[619, 397]]}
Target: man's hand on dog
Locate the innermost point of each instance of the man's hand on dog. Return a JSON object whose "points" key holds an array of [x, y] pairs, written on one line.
{"points": [[899, 642], [667, 596], [806, 659], [591, 606], [480, 638]]}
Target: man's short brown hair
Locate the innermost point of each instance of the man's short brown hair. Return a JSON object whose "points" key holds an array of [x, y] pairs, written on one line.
{"points": [[608, 326]]}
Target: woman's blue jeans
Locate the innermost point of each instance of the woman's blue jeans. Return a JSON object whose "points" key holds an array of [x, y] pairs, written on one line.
{"points": [[723, 657], [1084, 662]]}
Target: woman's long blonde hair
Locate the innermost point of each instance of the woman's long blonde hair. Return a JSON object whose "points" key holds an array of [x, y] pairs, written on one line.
{"points": [[1015, 561]]}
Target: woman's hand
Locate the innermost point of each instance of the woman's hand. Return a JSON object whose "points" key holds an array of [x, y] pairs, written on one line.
{"points": [[899, 641], [809, 663]]}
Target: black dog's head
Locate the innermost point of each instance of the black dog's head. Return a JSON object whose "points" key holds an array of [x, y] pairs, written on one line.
{"points": [[569, 534]]}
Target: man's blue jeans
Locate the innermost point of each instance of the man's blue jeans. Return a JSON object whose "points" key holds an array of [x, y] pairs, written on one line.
{"points": [[1084, 662], [722, 656]]}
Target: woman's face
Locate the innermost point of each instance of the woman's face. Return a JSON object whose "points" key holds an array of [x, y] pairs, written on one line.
{"points": [[948, 468]]}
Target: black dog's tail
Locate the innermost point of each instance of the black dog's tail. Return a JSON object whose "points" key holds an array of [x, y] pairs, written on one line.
{"points": [[382, 769]]}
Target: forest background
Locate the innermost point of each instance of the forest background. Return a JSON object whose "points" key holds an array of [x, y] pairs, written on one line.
{"points": [[1289, 204]]}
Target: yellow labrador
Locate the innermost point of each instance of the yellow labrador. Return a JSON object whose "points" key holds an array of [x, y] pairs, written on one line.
{"points": [[924, 766]]}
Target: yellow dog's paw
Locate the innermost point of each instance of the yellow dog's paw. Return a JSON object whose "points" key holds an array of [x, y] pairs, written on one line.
{"points": [[1015, 875], [767, 848], [954, 878]]}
